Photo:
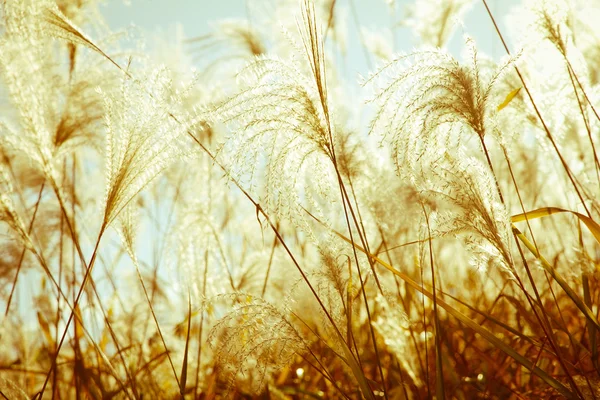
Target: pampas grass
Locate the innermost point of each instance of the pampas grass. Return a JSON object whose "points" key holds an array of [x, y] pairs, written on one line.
{"points": [[252, 229]]}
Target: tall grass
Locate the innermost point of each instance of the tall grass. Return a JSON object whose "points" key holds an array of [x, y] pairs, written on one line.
{"points": [[252, 229]]}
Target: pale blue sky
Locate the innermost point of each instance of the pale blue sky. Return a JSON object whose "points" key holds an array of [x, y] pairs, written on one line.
{"points": [[195, 17]]}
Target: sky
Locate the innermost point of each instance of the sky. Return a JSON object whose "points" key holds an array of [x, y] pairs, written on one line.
{"points": [[196, 16]]}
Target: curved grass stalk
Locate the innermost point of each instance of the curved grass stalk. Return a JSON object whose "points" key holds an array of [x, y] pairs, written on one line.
{"points": [[557, 277], [487, 335]]}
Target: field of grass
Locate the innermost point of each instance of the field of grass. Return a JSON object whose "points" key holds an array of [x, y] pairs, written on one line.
{"points": [[232, 218]]}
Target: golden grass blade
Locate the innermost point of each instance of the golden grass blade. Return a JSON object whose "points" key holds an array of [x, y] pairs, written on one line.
{"points": [[10, 390], [183, 379], [508, 99], [357, 372], [487, 335], [46, 330], [592, 331], [586, 304], [546, 211], [557, 277], [494, 320], [61, 27]]}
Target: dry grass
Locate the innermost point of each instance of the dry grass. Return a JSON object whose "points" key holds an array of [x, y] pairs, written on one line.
{"points": [[166, 236]]}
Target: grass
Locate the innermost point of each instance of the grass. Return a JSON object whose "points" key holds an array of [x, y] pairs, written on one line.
{"points": [[165, 237]]}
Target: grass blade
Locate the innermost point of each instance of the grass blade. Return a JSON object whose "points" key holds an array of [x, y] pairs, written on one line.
{"points": [[557, 277], [183, 379], [546, 211], [508, 99], [487, 335]]}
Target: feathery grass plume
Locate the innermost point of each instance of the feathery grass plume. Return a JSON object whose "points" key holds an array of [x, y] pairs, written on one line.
{"points": [[547, 32], [434, 21], [11, 390], [31, 83], [79, 10], [140, 144], [394, 326], [550, 25], [253, 340], [550, 19], [585, 32], [378, 43], [339, 288], [56, 24], [334, 271], [242, 36], [277, 119], [57, 110], [230, 42], [468, 203], [421, 96], [202, 243], [8, 212], [331, 17], [290, 136]]}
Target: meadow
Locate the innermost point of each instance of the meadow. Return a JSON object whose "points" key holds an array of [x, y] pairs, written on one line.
{"points": [[250, 220]]}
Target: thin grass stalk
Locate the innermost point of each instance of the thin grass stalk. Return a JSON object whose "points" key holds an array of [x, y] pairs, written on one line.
{"points": [[591, 328], [422, 283], [46, 269], [386, 251], [412, 335], [356, 20], [323, 369], [545, 324], [184, 366], [527, 219], [40, 258], [157, 263], [145, 290], [439, 374], [314, 51], [88, 268], [539, 115], [582, 88], [22, 256], [199, 358], [362, 226], [73, 213], [488, 317], [272, 252], [482, 331], [80, 291], [348, 207], [362, 286], [113, 335], [55, 391], [547, 327], [468, 322]]}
